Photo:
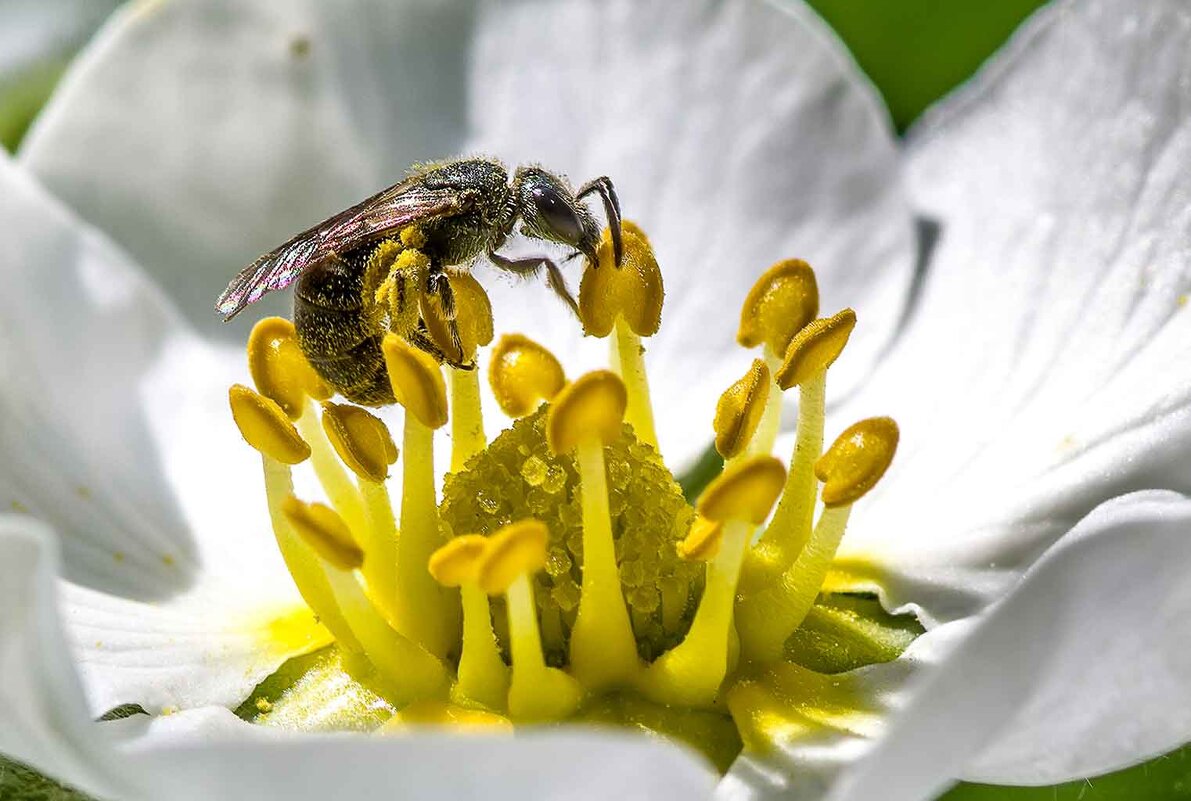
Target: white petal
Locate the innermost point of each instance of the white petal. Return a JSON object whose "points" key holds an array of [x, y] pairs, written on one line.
{"points": [[256, 120], [1084, 668], [1037, 379], [41, 34], [737, 134], [42, 712], [117, 432], [210, 754]]}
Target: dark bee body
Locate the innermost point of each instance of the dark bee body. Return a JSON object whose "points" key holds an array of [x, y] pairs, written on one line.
{"points": [[457, 211]]}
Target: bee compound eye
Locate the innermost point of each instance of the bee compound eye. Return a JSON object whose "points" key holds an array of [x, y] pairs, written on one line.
{"points": [[558, 214]]}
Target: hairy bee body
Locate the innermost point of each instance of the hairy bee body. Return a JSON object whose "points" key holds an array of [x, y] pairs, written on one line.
{"points": [[450, 213], [338, 328]]}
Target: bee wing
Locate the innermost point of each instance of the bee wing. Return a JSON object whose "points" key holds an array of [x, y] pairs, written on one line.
{"points": [[386, 212]]}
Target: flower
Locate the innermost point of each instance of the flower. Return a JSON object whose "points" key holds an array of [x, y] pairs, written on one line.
{"points": [[1033, 380]]}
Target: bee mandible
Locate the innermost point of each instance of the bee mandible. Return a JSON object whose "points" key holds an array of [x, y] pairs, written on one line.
{"points": [[448, 214]]}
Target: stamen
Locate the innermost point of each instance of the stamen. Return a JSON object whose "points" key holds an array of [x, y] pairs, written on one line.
{"points": [[266, 427], [782, 301], [325, 532], [734, 504], [473, 318], [361, 439], [739, 410], [628, 300], [483, 678], [523, 374], [426, 612], [537, 692], [406, 670], [851, 467], [584, 418], [364, 443], [811, 352], [280, 370], [340, 489]]}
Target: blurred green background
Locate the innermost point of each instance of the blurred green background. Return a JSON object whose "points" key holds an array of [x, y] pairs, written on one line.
{"points": [[914, 51]]}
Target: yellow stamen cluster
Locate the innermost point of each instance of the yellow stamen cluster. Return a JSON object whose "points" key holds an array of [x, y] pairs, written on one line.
{"points": [[563, 567]]}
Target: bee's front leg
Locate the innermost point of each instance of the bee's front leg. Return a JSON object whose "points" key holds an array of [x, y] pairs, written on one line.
{"points": [[439, 285], [527, 268]]}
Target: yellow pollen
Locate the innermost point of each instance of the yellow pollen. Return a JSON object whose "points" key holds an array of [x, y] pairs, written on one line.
{"points": [[815, 348], [745, 491], [592, 408], [473, 318], [634, 291], [393, 278], [784, 299], [740, 409], [516, 550], [361, 439], [278, 368], [523, 374], [417, 381], [458, 561], [703, 542], [412, 237], [856, 460], [266, 427], [324, 531]]}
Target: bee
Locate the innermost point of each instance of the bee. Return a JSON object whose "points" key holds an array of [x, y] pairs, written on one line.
{"points": [[447, 215]]}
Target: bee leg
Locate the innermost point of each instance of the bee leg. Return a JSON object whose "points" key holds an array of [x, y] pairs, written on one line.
{"points": [[439, 285], [532, 267], [603, 186]]}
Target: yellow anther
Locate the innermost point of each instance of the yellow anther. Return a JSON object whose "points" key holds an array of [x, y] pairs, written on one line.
{"points": [[458, 562], [784, 299], [417, 381], [634, 291], [412, 237], [630, 227], [590, 408], [518, 549], [473, 318], [324, 531], [361, 439], [740, 409], [523, 374], [279, 369], [703, 542], [265, 426], [815, 348], [856, 460], [745, 491]]}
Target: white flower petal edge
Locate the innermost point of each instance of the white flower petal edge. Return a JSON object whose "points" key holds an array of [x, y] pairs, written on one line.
{"points": [[1039, 375], [42, 721], [209, 753], [738, 132], [117, 433], [38, 36], [1080, 670]]}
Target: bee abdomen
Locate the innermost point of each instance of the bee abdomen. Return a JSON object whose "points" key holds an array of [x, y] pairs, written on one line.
{"points": [[335, 332]]}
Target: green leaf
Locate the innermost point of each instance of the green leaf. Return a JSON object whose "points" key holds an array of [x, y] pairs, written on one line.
{"points": [[21, 783]]}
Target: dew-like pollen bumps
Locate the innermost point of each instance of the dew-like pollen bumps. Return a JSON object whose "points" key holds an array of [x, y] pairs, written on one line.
{"points": [[517, 477]]}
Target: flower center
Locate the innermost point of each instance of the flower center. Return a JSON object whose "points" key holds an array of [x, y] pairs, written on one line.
{"points": [[564, 574]]}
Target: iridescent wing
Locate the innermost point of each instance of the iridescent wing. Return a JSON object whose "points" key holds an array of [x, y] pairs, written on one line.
{"points": [[385, 213]]}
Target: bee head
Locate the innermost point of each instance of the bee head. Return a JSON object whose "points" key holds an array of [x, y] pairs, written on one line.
{"points": [[550, 211]]}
